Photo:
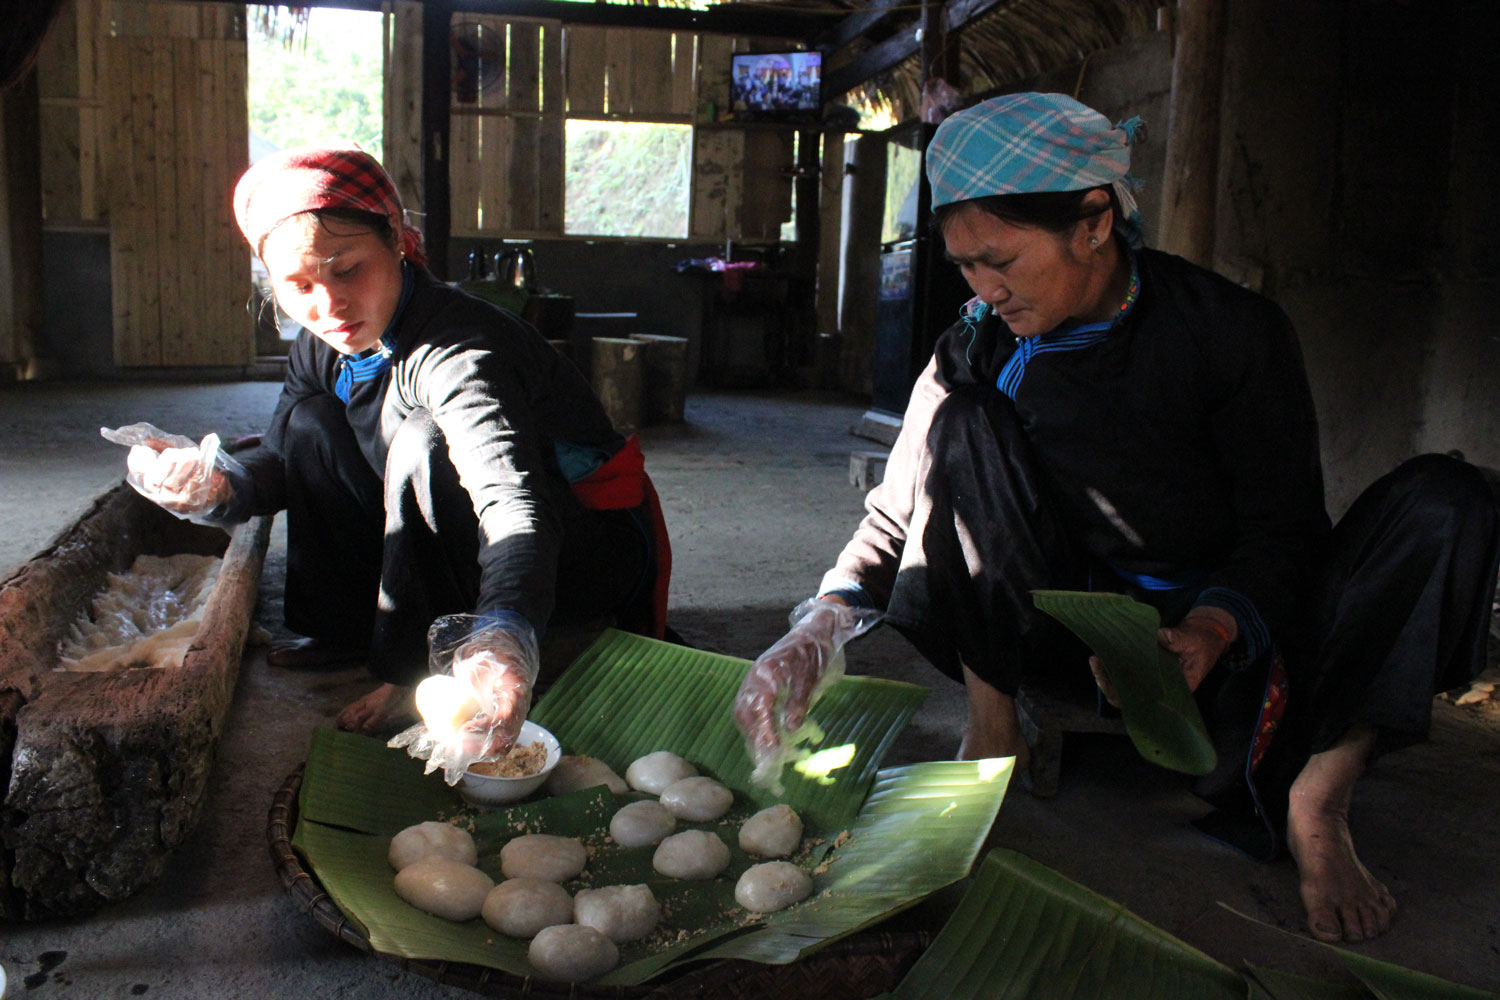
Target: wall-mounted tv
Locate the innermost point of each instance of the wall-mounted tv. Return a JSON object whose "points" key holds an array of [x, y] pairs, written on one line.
{"points": [[776, 86]]}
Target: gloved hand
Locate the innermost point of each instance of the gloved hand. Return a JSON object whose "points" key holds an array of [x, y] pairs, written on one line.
{"points": [[787, 679], [186, 478], [500, 669], [473, 706]]}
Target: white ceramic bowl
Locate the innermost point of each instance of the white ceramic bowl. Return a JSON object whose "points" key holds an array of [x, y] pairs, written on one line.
{"points": [[487, 790]]}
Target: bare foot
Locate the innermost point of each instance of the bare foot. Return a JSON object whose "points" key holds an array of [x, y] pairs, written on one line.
{"points": [[1344, 901], [387, 708], [994, 727]]}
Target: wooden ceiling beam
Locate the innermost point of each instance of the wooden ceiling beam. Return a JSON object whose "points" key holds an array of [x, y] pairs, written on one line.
{"points": [[857, 24], [725, 19], [901, 46]]}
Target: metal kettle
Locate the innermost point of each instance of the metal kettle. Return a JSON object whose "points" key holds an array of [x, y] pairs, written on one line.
{"points": [[516, 268]]}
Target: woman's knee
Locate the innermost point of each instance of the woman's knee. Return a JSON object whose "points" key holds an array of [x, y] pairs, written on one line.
{"points": [[313, 422], [1444, 487], [416, 447]]}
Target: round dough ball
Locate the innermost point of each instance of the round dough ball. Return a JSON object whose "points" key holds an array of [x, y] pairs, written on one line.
{"points": [[774, 832], [771, 886], [572, 953], [543, 856], [519, 907], [691, 854], [445, 704], [701, 800], [655, 771], [641, 824], [575, 771], [619, 912], [432, 837], [444, 888]]}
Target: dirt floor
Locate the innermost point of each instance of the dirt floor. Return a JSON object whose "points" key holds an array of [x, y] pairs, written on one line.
{"points": [[756, 493]]}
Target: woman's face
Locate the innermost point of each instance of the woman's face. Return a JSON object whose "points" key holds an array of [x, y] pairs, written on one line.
{"points": [[340, 281], [1035, 280]]}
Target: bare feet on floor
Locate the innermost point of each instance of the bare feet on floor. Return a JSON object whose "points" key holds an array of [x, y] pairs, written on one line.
{"points": [[381, 712], [994, 727], [1344, 901]]}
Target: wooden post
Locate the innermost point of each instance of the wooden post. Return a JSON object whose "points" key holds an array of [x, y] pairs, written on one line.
{"points": [[864, 193], [939, 48], [804, 284], [20, 225], [1192, 157], [436, 86], [830, 231]]}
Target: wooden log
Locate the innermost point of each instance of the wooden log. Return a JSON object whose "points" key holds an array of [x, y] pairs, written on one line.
{"points": [[618, 370], [107, 771], [665, 377]]}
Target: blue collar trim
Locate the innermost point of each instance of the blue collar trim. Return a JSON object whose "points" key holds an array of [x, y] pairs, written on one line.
{"points": [[377, 362], [1072, 338]]}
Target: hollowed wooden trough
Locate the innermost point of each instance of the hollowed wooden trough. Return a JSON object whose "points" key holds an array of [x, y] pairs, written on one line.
{"points": [[104, 774]]}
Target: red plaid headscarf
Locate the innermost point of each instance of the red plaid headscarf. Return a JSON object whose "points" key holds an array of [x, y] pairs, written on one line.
{"points": [[294, 181]]}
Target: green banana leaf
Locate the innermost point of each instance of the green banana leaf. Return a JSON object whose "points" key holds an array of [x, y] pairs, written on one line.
{"points": [[1272, 984], [1023, 931], [1392, 982], [627, 696], [1160, 714]]}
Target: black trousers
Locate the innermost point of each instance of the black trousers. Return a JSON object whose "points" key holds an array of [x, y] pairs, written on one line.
{"points": [[372, 560], [1402, 611]]}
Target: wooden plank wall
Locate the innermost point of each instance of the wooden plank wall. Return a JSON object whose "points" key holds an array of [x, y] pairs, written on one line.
{"points": [[507, 145], [67, 77], [176, 138], [402, 100], [742, 187]]}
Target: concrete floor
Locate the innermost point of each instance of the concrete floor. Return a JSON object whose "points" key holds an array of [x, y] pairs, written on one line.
{"points": [[757, 497]]}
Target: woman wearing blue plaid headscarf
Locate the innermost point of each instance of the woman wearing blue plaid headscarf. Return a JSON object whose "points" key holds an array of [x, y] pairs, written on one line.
{"points": [[1108, 417]]}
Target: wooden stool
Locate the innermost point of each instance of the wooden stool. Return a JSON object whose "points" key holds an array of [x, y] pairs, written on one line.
{"points": [[1045, 717]]}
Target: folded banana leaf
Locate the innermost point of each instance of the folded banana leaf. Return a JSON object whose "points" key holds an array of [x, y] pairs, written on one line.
{"points": [[1392, 982], [878, 841], [1272, 984], [1161, 717], [1023, 931]]}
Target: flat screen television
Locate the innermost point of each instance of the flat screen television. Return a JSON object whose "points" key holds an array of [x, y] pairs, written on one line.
{"points": [[776, 86]]}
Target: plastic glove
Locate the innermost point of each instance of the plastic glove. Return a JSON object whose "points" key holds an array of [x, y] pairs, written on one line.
{"points": [[186, 478], [490, 671], [785, 681]]}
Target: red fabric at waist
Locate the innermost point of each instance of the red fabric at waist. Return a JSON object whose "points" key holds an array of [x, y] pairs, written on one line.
{"points": [[619, 483], [622, 484]]}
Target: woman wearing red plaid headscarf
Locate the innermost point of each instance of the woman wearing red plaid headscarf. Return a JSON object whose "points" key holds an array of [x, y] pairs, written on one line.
{"points": [[434, 454]]}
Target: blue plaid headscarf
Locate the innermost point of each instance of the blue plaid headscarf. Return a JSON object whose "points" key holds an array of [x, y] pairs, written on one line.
{"points": [[1028, 143]]}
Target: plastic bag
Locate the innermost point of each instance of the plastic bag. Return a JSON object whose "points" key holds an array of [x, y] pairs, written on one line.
{"points": [[939, 100], [183, 477], [787, 679], [476, 711]]}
